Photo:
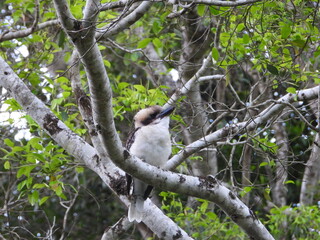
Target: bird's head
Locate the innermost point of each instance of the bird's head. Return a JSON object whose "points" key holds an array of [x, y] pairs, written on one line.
{"points": [[151, 115]]}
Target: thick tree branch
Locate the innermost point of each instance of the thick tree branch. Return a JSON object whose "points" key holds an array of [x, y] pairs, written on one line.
{"points": [[26, 32], [99, 84], [310, 181], [65, 16], [122, 3]]}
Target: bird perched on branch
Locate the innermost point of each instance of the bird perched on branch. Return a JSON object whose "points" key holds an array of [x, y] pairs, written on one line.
{"points": [[150, 141]]}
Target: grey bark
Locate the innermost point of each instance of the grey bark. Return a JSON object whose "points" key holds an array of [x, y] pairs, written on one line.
{"points": [[279, 191]]}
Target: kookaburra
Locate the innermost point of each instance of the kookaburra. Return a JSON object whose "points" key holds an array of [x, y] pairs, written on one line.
{"points": [[150, 141]]}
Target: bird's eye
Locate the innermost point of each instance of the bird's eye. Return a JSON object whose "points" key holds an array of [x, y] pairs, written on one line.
{"points": [[153, 115]]}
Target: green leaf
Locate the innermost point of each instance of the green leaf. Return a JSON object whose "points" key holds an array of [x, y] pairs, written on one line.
{"points": [[39, 185], [285, 31], [21, 185], [157, 43], [17, 149], [66, 94], [291, 90], [272, 69], [7, 165], [123, 85], [140, 88], [76, 10], [240, 27], [58, 190], [43, 200], [156, 27], [20, 172], [62, 80], [246, 38], [289, 182], [247, 189], [61, 37], [8, 142], [33, 198], [201, 9], [214, 10], [215, 54], [56, 102], [35, 143], [134, 57], [263, 164], [29, 182], [107, 63], [204, 206], [25, 170], [79, 169], [299, 43], [144, 42]]}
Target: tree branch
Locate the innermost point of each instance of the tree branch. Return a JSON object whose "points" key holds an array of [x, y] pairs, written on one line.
{"points": [[99, 84], [222, 3], [188, 85], [122, 3], [117, 229], [26, 32], [242, 127], [84, 105], [65, 16], [124, 23], [207, 188]]}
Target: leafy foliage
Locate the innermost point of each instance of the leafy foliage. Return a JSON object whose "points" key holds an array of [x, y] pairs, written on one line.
{"points": [[204, 222], [300, 222]]}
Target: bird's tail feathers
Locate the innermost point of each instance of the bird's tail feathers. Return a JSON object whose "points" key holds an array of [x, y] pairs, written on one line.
{"points": [[136, 209]]}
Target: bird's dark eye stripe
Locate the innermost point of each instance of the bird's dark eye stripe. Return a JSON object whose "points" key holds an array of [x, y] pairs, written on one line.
{"points": [[153, 115], [147, 121]]}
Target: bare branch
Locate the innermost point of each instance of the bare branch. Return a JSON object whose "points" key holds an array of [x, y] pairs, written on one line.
{"points": [[122, 3], [302, 117], [211, 77], [26, 32], [66, 215], [222, 3], [124, 23], [36, 18], [117, 229], [188, 85]]}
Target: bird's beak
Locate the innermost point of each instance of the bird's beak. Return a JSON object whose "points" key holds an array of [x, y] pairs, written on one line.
{"points": [[165, 112]]}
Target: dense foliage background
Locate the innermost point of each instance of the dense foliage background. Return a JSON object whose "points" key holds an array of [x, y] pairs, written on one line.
{"points": [[242, 58]]}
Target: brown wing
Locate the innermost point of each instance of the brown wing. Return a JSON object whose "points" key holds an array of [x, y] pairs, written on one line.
{"points": [[131, 138]]}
